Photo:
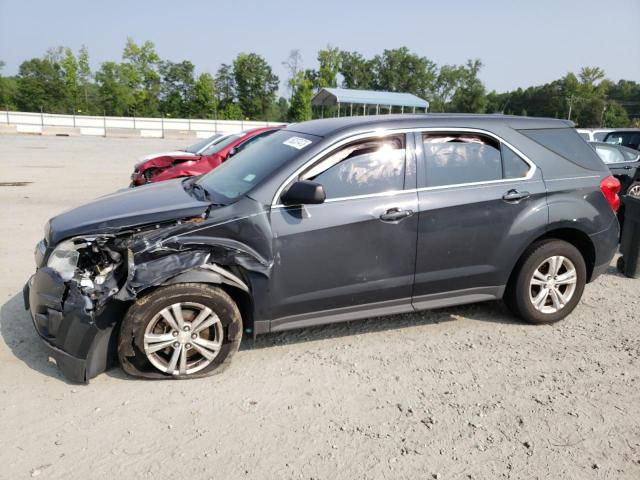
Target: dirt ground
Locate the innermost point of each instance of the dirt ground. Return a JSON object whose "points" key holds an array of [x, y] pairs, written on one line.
{"points": [[467, 392]]}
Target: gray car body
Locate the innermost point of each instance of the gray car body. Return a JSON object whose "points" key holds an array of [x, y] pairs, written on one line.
{"points": [[299, 266]]}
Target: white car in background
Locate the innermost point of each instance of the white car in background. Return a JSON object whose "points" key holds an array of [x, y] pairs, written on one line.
{"points": [[594, 134], [195, 149]]}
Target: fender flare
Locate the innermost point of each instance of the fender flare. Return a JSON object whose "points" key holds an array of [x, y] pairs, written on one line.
{"points": [[208, 273]]}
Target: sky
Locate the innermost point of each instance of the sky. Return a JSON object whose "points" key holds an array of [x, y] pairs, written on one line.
{"points": [[520, 43]]}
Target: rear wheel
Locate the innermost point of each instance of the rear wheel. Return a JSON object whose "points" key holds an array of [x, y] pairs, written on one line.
{"points": [[180, 331], [548, 282]]}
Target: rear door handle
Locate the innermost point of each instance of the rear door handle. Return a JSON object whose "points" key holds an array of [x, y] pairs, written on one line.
{"points": [[395, 214], [515, 196]]}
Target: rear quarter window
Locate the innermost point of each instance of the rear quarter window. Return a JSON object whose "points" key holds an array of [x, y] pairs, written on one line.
{"points": [[568, 144]]}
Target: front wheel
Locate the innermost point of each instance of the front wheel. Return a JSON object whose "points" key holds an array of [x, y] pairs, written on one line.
{"points": [[180, 331], [548, 283]]}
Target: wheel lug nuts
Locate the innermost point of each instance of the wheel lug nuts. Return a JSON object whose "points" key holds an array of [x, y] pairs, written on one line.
{"points": [[176, 345], [188, 345], [186, 329], [194, 336], [175, 334]]}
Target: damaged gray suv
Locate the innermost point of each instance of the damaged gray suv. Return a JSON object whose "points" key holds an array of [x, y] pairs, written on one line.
{"points": [[325, 221]]}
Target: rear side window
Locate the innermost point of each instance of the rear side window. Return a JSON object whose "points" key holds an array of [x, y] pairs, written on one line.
{"points": [[459, 158], [514, 165], [566, 143]]}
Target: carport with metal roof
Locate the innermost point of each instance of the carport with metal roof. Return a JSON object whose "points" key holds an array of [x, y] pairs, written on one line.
{"points": [[360, 102]]}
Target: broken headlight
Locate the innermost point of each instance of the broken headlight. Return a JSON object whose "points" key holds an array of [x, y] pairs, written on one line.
{"points": [[64, 259]]}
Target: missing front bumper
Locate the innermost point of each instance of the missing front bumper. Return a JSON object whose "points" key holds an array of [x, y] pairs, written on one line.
{"points": [[81, 343]]}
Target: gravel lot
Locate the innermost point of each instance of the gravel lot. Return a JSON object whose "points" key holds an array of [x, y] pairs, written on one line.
{"points": [[465, 392]]}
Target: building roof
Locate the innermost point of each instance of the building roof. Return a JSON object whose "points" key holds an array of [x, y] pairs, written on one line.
{"points": [[332, 96]]}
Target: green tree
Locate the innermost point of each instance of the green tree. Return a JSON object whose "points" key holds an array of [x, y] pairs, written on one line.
{"points": [[140, 67], [626, 93], [399, 70], [176, 88], [202, 100], [225, 87], [8, 90], [446, 83], [330, 63], [470, 96], [255, 85], [300, 107], [85, 81], [115, 93], [41, 85], [356, 71], [71, 80], [293, 64], [615, 116]]}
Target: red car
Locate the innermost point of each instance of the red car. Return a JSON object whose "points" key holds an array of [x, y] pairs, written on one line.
{"points": [[167, 167]]}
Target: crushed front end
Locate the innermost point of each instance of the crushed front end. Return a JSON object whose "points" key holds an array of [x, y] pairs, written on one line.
{"points": [[84, 285], [69, 304]]}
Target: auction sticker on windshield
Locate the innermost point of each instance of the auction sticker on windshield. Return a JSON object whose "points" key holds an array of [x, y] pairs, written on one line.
{"points": [[297, 142]]}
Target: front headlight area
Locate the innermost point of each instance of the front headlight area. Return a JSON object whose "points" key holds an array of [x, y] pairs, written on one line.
{"points": [[64, 259], [91, 263]]}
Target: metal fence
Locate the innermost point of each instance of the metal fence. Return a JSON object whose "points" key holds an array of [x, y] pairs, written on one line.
{"points": [[28, 122]]}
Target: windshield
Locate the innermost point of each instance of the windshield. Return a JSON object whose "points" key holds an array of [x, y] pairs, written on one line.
{"points": [[196, 147], [221, 144], [240, 174]]}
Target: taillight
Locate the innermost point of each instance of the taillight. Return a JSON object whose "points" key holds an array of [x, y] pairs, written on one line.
{"points": [[610, 187]]}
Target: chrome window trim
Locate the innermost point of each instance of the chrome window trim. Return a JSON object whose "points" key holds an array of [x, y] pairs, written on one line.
{"points": [[383, 133]]}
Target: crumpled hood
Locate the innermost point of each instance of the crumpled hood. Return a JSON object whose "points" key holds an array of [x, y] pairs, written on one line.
{"points": [[157, 202], [163, 154], [165, 161]]}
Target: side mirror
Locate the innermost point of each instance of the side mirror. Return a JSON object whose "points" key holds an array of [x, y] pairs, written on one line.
{"points": [[232, 152], [304, 192]]}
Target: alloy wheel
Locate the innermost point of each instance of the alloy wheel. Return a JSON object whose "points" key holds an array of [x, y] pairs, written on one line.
{"points": [[553, 284], [183, 338], [634, 191]]}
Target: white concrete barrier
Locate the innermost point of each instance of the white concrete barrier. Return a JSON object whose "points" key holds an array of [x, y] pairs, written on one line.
{"points": [[29, 122]]}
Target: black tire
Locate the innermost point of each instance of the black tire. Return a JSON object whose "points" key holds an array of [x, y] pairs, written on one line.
{"points": [[517, 296], [620, 264], [131, 353]]}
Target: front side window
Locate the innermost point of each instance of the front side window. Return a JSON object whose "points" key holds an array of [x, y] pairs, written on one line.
{"points": [[458, 158], [362, 168]]}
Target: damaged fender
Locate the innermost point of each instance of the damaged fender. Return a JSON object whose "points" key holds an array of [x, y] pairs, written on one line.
{"points": [[79, 315]]}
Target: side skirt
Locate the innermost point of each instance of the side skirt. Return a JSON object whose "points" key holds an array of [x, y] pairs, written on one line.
{"points": [[378, 309], [457, 297]]}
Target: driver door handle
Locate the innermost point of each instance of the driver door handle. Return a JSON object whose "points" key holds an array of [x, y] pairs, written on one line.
{"points": [[395, 214], [515, 196]]}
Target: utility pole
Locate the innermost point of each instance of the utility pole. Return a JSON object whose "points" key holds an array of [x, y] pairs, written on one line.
{"points": [[604, 109], [570, 106]]}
